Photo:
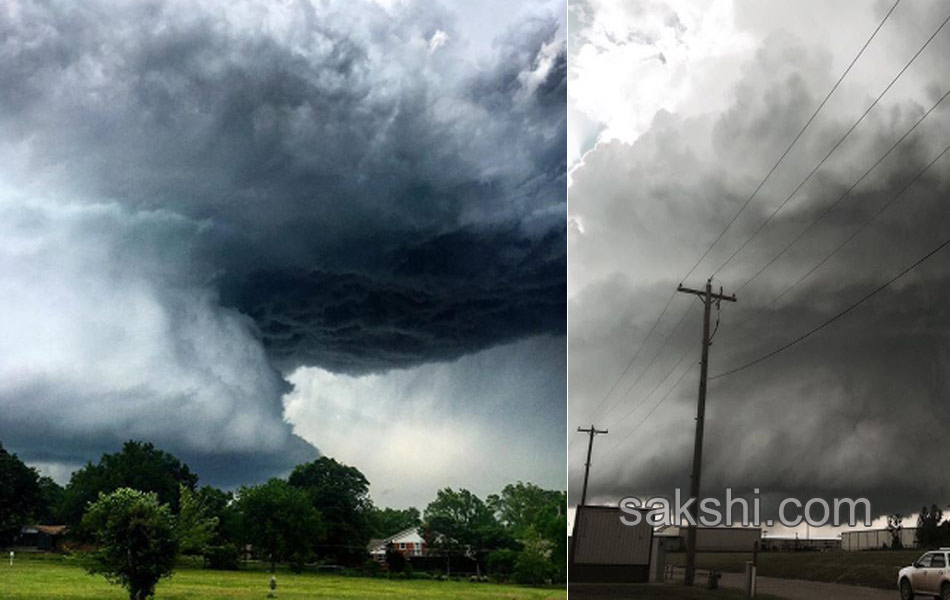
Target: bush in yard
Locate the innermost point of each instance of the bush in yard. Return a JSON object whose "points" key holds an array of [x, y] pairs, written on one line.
{"points": [[225, 557], [533, 566], [137, 540]]}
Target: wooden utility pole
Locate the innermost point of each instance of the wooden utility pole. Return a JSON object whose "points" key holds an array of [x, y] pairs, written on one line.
{"points": [[590, 446], [708, 298]]}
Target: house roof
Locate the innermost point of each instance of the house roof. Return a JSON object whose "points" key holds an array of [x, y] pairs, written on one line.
{"points": [[47, 529], [377, 544]]}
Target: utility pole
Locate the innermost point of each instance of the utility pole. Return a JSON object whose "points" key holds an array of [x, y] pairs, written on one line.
{"points": [[590, 446], [708, 298]]}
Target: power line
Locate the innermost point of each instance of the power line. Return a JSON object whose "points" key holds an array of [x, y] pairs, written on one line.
{"points": [[861, 228], [635, 356], [848, 191], [795, 140], [656, 355], [831, 320], [659, 383], [652, 410], [833, 148], [751, 196], [865, 224]]}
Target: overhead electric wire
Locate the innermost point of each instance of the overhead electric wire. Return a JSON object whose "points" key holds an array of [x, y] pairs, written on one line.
{"points": [[659, 383], [837, 316], [656, 355], [795, 140], [652, 410], [752, 196], [848, 191], [635, 356], [833, 148], [861, 228]]}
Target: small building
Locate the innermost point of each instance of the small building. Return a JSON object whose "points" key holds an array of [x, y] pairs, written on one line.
{"points": [[876, 539], [602, 549], [43, 538], [408, 541]]}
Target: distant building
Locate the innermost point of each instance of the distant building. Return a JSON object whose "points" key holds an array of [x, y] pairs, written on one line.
{"points": [[712, 539], [786, 543], [408, 541], [876, 539], [44, 538]]}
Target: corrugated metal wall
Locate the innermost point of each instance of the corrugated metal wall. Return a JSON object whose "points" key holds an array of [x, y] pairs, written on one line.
{"points": [[601, 539], [723, 539], [873, 539]]}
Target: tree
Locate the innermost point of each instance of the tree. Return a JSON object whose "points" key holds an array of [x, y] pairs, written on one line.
{"points": [[894, 527], [137, 540], [196, 526], [534, 515], [341, 494], [395, 560], [533, 566], [279, 519], [20, 495], [519, 505], [928, 526], [387, 521], [463, 524], [51, 499], [140, 466]]}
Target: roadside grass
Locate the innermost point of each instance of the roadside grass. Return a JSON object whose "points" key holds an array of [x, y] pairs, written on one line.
{"points": [[871, 568], [33, 579], [655, 591]]}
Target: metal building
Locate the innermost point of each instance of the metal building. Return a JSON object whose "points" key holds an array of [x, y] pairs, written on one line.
{"points": [[716, 539], [605, 550], [876, 539]]}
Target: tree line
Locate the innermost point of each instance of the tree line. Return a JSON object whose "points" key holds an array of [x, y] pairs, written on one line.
{"points": [[322, 512]]}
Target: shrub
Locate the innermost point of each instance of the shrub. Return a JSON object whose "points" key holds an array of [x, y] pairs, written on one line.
{"points": [[137, 540], [225, 557]]}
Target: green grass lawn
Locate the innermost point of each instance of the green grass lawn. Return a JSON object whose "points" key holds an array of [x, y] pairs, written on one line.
{"points": [[873, 568], [50, 579], [667, 591]]}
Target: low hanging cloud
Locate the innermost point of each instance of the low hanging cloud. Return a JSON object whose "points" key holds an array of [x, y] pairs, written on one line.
{"points": [[847, 412], [436, 425], [228, 192]]}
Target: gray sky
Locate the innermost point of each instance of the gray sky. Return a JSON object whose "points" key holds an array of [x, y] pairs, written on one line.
{"points": [[251, 232], [677, 110]]}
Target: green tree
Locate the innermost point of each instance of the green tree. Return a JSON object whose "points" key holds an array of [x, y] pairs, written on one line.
{"points": [[534, 566], [519, 506], [279, 519], [20, 495], [341, 494], [395, 560], [140, 466], [463, 524], [137, 540], [387, 521], [196, 526], [51, 500]]}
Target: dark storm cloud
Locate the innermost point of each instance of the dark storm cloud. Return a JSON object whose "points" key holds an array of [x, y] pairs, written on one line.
{"points": [[441, 298], [853, 410], [326, 146], [349, 184]]}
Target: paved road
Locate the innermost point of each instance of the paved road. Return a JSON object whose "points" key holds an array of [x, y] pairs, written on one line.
{"points": [[790, 589], [795, 589]]}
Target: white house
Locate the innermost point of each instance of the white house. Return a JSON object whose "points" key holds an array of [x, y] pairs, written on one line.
{"points": [[407, 541]]}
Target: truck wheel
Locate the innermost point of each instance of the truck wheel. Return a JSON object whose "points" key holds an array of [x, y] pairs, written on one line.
{"points": [[907, 593], [945, 591]]}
